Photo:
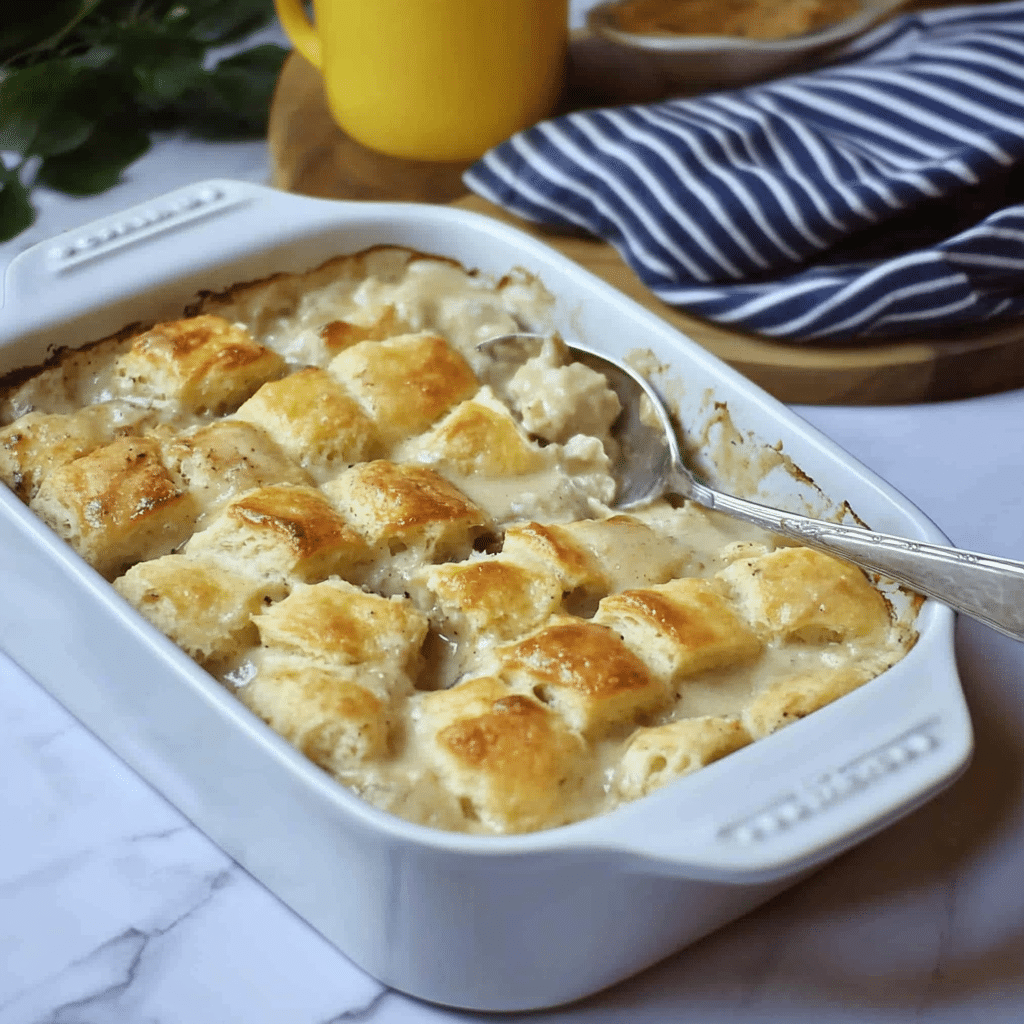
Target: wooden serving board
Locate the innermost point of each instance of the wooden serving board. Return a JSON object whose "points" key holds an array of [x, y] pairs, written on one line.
{"points": [[309, 154]]}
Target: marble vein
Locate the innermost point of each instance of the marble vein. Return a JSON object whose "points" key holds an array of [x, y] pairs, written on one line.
{"points": [[365, 1012], [932, 988]]}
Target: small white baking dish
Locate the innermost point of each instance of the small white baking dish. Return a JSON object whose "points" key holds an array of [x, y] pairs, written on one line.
{"points": [[687, 62], [478, 922]]}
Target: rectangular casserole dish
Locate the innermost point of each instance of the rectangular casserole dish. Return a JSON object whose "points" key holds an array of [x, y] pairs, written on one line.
{"points": [[484, 923]]}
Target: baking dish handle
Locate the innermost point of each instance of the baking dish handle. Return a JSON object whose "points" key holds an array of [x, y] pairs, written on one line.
{"points": [[217, 214], [815, 788]]}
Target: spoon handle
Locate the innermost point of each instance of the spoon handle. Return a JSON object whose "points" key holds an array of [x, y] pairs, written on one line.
{"points": [[984, 587]]}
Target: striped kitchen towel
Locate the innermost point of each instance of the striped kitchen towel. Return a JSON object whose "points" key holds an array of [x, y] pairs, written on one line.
{"points": [[747, 207]]}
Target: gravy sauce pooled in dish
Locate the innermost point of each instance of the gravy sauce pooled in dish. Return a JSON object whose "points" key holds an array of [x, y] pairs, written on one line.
{"points": [[404, 560]]}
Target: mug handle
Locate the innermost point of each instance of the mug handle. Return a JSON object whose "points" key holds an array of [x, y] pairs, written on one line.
{"points": [[300, 30]]}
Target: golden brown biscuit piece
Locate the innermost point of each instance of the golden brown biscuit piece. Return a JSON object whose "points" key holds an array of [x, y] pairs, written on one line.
{"points": [[406, 383], [315, 421], [478, 437], [204, 608], [325, 712], [203, 364], [335, 623], [554, 548], [661, 753], [681, 628], [402, 507], [488, 599], [586, 673], [807, 596], [118, 505], [226, 458], [510, 762], [788, 700], [284, 532], [41, 442]]}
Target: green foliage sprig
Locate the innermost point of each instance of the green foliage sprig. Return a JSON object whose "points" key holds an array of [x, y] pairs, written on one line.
{"points": [[84, 84]]}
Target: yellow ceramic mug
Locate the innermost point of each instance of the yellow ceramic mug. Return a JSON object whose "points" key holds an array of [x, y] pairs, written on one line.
{"points": [[433, 79]]}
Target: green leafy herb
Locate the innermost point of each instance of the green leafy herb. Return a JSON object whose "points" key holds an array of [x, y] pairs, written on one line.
{"points": [[85, 83]]}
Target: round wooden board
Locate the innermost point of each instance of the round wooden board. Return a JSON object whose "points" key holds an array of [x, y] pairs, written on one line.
{"points": [[309, 154]]}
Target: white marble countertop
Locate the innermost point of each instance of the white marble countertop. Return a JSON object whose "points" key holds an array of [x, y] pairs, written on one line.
{"points": [[115, 910]]}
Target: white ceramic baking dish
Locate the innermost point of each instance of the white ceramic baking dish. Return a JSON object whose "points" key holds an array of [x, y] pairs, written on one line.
{"points": [[478, 922]]}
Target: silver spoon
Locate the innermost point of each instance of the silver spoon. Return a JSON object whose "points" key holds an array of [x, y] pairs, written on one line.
{"points": [[984, 587]]}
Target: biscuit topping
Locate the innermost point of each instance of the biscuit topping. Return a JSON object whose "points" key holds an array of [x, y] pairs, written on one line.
{"points": [[402, 558]]}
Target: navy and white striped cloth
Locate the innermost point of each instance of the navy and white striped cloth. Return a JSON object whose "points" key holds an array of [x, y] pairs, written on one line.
{"points": [[727, 204]]}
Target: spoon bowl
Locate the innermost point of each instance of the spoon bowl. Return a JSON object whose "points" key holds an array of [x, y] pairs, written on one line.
{"points": [[650, 466]]}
